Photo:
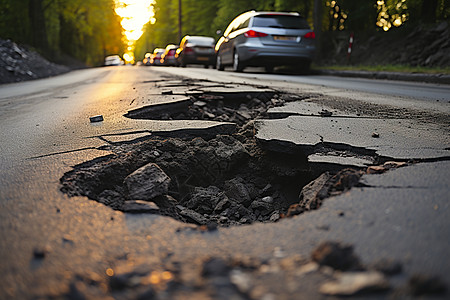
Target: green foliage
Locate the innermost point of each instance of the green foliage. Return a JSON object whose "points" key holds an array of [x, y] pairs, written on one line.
{"points": [[198, 17], [85, 29], [14, 21], [228, 10], [353, 15]]}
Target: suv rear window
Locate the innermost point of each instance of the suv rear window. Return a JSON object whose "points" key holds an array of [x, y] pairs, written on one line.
{"points": [[202, 41], [274, 21]]}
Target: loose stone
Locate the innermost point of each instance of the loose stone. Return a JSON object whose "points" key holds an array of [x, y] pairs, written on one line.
{"points": [[140, 206], [147, 182]]}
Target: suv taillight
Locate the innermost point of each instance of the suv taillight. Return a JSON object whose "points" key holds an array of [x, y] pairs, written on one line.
{"points": [[188, 50], [253, 34], [310, 35]]}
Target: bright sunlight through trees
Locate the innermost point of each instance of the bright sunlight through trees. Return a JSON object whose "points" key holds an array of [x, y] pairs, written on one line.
{"points": [[135, 14]]}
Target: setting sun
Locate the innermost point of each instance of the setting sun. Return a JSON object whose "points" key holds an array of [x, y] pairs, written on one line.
{"points": [[135, 14]]}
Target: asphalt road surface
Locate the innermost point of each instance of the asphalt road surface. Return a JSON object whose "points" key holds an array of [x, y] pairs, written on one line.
{"points": [[56, 246]]}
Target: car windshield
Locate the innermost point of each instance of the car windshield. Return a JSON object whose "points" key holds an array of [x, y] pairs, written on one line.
{"points": [[280, 21]]}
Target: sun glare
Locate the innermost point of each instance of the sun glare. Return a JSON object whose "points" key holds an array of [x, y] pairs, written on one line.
{"points": [[135, 14]]}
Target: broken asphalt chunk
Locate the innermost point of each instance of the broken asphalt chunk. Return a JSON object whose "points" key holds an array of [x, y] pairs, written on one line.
{"points": [[94, 119], [314, 192], [325, 113], [140, 206], [199, 103], [147, 182], [394, 164], [192, 215], [385, 167], [326, 185], [376, 170]]}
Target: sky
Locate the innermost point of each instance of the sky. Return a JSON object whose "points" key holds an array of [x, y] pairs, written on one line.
{"points": [[135, 14]]}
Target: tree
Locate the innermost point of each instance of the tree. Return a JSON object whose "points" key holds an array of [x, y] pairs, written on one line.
{"points": [[84, 29], [429, 10], [14, 21], [37, 19], [198, 17]]}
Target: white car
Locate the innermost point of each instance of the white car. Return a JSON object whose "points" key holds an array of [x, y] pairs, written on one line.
{"points": [[113, 60]]}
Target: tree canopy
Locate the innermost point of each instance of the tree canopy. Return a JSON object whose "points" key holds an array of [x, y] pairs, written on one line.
{"points": [[87, 30]]}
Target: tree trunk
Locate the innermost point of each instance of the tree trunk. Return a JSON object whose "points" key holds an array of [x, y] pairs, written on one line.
{"points": [[180, 27], [37, 22], [318, 26], [429, 8]]}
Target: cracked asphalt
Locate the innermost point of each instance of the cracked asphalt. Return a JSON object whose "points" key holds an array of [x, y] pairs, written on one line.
{"points": [[58, 247]]}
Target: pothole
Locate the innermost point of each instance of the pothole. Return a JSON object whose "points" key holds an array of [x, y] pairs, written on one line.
{"points": [[226, 106], [228, 179]]}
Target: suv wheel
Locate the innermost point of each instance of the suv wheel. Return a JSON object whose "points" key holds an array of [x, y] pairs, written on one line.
{"points": [[237, 63], [219, 65]]}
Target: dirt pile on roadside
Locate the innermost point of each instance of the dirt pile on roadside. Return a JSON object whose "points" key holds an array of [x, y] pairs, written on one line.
{"points": [[18, 63]]}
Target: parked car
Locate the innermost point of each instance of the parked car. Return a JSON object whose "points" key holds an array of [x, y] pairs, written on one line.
{"points": [[197, 50], [113, 60], [155, 58], [266, 39], [168, 57], [146, 59]]}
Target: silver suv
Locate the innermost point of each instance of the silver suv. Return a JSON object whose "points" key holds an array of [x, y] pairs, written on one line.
{"points": [[266, 39]]}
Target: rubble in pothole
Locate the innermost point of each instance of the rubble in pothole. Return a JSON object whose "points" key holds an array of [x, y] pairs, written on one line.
{"points": [[227, 180], [238, 108], [223, 181]]}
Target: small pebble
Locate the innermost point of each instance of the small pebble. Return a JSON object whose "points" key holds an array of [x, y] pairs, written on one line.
{"points": [[40, 252]]}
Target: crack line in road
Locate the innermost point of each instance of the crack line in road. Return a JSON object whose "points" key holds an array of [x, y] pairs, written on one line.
{"points": [[65, 152]]}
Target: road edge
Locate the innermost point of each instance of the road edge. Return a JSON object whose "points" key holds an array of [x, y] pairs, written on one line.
{"points": [[417, 77]]}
